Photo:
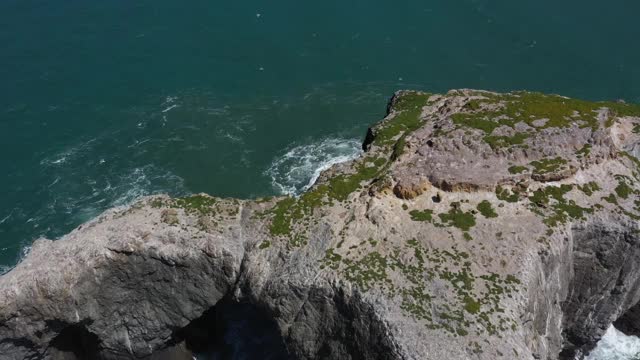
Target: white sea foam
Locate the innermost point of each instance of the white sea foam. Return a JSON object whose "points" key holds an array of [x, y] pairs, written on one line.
{"points": [[137, 143], [66, 155], [299, 168], [233, 138], [170, 99], [141, 182], [54, 181], [615, 345], [24, 252], [6, 218], [170, 107]]}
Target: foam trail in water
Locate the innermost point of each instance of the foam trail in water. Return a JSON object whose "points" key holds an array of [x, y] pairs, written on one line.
{"points": [[6, 217], [299, 168], [169, 108], [615, 345]]}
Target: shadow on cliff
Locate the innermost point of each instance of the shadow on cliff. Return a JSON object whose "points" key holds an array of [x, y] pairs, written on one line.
{"points": [[227, 331], [74, 342], [604, 288], [232, 331]]}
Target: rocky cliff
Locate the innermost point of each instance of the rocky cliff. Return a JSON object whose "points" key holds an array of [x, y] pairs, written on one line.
{"points": [[475, 225]]}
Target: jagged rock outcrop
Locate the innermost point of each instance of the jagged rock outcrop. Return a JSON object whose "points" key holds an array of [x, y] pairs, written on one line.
{"points": [[476, 225]]}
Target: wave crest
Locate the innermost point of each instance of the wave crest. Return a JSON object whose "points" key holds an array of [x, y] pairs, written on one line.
{"points": [[615, 345], [299, 168]]}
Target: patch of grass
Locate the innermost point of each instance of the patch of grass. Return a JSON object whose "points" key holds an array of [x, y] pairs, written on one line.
{"points": [[611, 198], [505, 194], [530, 106], [486, 209], [332, 257], [471, 305], [547, 165], [370, 269], [559, 210], [398, 148], [196, 204], [425, 215], [517, 169], [542, 196], [510, 109], [475, 122], [408, 107], [510, 279], [589, 188], [341, 186], [459, 219], [506, 141], [623, 190], [584, 151], [281, 222], [265, 244], [564, 211]]}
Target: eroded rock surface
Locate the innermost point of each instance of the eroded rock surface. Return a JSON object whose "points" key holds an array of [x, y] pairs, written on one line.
{"points": [[475, 225]]}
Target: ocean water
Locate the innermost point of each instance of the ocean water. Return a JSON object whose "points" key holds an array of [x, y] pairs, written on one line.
{"points": [[102, 102]]}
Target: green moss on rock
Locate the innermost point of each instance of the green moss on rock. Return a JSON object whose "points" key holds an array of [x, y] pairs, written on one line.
{"points": [[589, 188], [486, 209], [408, 107], [551, 201], [507, 195], [623, 190], [425, 215], [459, 219], [517, 169], [546, 166], [265, 244]]}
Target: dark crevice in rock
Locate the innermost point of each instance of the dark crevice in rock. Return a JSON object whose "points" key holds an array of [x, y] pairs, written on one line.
{"points": [[233, 330], [73, 342], [368, 140]]}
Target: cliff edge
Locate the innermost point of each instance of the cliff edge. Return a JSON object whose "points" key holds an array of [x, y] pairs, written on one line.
{"points": [[475, 225]]}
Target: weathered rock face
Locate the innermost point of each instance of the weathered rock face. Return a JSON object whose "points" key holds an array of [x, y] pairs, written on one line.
{"points": [[476, 225]]}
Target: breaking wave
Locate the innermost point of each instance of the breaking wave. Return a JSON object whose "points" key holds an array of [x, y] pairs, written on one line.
{"points": [[299, 168], [615, 345]]}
